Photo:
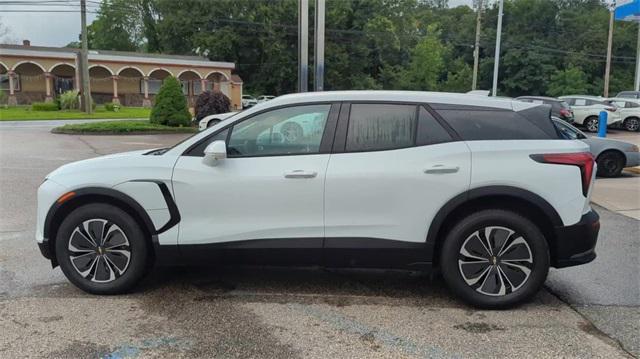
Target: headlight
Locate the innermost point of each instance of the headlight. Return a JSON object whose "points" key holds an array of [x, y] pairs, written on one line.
{"points": [[634, 148]]}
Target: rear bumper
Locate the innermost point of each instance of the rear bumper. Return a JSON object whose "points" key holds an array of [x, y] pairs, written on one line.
{"points": [[576, 244]]}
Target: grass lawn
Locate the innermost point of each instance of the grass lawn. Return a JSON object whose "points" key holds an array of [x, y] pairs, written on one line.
{"points": [[120, 127], [24, 113]]}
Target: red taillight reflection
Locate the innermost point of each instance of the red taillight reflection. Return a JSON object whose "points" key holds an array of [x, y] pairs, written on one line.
{"points": [[584, 160], [611, 109]]}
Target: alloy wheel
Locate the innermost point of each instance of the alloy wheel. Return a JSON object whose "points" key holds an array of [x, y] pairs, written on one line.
{"points": [[632, 124], [495, 261], [99, 250], [592, 125]]}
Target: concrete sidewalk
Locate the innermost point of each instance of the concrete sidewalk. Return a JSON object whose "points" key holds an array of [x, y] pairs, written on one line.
{"points": [[621, 195]]}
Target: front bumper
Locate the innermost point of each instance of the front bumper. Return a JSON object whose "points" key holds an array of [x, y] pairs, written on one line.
{"points": [[576, 244], [633, 159]]}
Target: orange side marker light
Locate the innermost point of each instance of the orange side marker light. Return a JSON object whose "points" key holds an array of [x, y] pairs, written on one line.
{"points": [[66, 197]]}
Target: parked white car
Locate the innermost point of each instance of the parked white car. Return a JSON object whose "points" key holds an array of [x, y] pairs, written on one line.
{"points": [[586, 111], [265, 98], [248, 101], [481, 188], [629, 112], [211, 120]]}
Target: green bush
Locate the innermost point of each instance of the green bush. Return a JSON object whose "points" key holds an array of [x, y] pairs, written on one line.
{"points": [[113, 107], [69, 100], [170, 108], [44, 106]]}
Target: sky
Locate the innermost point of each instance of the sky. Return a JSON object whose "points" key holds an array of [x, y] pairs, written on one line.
{"points": [[59, 28]]}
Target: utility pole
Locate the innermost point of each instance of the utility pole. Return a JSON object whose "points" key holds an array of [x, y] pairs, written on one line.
{"points": [[318, 53], [607, 70], [496, 58], [476, 51], [84, 60], [637, 83], [303, 45]]}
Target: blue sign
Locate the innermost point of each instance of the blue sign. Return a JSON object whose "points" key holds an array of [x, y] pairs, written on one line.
{"points": [[627, 10]]}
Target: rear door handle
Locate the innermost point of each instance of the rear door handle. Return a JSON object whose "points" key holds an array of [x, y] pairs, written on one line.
{"points": [[441, 169], [300, 174]]}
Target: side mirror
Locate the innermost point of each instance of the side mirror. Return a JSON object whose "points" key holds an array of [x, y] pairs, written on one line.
{"points": [[215, 151]]}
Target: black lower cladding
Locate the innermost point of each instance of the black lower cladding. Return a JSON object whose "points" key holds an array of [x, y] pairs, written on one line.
{"points": [[329, 252], [576, 244]]}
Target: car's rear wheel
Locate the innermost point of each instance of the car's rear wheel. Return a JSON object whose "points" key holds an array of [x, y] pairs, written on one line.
{"points": [[591, 124], [494, 259], [632, 124], [610, 164], [101, 249]]}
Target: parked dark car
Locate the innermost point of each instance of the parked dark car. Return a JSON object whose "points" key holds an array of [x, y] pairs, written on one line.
{"points": [[629, 94], [559, 108]]}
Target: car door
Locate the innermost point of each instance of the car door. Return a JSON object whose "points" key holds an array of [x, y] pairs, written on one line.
{"points": [[580, 109], [392, 168], [267, 194]]}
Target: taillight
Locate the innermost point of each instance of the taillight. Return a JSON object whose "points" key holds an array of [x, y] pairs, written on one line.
{"points": [[565, 112], [584, 160], [611, 109]]}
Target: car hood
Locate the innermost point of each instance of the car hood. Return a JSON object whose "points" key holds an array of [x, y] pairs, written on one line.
{"points": [[622, 145], [119, 160]]}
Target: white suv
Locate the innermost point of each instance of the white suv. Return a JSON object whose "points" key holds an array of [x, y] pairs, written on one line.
{"points": [[482, 189], [586, 110]]}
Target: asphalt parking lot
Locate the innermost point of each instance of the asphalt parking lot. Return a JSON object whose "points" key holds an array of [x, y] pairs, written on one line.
{"points": [[587, 311]]}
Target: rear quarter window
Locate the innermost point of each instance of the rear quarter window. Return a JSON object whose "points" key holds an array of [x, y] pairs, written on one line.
{"points": [[495, 124]]}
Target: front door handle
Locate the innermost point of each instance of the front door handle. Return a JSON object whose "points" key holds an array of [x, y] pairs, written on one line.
{"points": [[300, 174], [441, 169]]}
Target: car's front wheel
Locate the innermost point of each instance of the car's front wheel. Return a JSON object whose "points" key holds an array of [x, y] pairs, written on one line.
{"points": [[610, 164], [632, 124], [591, 124], [101, 249], [494, 259]]}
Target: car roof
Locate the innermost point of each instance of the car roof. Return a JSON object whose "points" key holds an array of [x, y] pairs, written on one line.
{"points": [[598, 98], [541, 98], [403, 96], [624, 99]]}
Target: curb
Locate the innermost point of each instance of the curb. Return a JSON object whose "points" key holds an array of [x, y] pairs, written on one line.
{"points": [[116, 133]]}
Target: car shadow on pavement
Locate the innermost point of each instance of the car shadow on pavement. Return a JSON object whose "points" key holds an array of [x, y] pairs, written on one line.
{"points": [[300, 285]]}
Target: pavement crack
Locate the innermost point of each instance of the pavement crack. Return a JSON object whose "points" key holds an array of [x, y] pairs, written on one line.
{"points": [[590, 327], [93, 149]]}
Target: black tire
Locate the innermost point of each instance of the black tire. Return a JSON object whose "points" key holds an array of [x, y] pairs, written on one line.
{"points": [[491, 290], [103, 268], [610, 164], [632, 124], [591, 124]]}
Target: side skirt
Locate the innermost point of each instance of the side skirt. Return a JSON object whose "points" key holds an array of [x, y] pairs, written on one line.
{"points": [[329, 252]]}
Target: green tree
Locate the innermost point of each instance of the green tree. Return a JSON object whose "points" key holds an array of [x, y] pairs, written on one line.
{"points": [[427, 64], [170, 108], [567, 82], [118, 26]]}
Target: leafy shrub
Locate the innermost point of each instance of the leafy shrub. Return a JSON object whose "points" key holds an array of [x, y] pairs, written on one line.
{"points": [[69, 100], [44, 106], [113, 107], [211, 103], [171, 107]]}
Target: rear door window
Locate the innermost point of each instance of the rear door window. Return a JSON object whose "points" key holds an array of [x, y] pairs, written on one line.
{"points": [[374, 127], [494, 124]]}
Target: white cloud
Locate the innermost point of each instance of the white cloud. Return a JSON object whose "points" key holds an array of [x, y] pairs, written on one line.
{"points": [[43, 28]]}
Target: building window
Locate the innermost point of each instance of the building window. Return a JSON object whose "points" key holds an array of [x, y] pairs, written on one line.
{"points": [[154, 86], [185, 86], [4, 82], [197, 87]]}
